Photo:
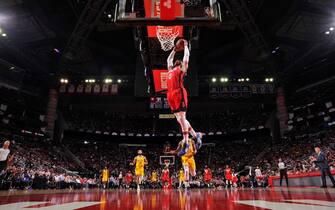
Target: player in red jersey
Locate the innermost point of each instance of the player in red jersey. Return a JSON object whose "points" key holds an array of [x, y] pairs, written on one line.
{"points": [[165, 177], [128, 179], [228, 176], [207, 176], [177, 94]]}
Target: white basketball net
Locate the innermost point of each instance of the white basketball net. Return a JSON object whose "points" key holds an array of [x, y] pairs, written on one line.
{"points": [[166, 36], [167, 163]]}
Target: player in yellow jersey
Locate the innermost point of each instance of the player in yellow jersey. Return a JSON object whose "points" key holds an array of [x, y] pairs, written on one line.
{"points": [[181, 178], [139, 161], [154, 179], [187, 160], [105, 177]]}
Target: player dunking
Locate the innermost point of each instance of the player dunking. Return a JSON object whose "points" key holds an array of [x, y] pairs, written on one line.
{"points": [[139, 161], [177, 94], [187, 160]]}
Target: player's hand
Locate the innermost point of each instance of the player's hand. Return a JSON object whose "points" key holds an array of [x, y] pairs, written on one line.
{"points": [[131, 164]]}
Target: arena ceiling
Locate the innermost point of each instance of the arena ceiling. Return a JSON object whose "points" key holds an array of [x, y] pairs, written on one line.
{"points": [[38, 33]]}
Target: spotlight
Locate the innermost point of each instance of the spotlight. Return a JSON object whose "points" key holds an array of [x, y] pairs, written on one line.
{"points": [[331, 29], [327, 32], [109, 16], [242, 80], [224, 79], [266, 79], [247, 79], [108, 81], [119, 81], [64, 81], [4, 35], [271, 79], [213, 79], [86, 80]]}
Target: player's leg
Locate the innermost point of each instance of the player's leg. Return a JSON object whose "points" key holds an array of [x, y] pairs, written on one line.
{"points": [[192, 167], [139, 181], [196, 135], [183, 107], [183, 124], [186, 175]]}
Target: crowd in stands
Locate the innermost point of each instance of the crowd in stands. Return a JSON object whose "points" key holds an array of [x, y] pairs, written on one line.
{"points": [[229, 121], [45, 167], [40, 164], [21, 111]]}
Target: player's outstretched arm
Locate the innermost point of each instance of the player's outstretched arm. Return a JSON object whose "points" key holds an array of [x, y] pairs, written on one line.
{"points": [[145, 161], [174, 152], [170, 59], [186, 57]]}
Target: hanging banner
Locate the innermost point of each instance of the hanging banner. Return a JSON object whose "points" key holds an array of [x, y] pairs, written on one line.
{"points": [[80, 88], [88, 88], [96, 89]]}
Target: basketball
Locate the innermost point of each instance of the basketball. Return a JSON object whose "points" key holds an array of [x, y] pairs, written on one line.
{"points": [[180, 45]]}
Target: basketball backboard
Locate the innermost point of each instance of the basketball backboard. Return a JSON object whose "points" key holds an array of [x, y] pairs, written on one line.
{"points": [[168, 12]]}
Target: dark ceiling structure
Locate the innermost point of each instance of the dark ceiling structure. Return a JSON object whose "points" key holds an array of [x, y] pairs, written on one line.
{"points": [[285, 38]]}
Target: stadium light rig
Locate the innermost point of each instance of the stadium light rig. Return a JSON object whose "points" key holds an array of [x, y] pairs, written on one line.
{"points": [[107, 81], [64, 81], [329, 31], [224, 79], [90, 80], [269, 80]]}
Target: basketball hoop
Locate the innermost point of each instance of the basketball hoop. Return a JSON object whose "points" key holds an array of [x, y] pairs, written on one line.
{"points": [[166, 36]]}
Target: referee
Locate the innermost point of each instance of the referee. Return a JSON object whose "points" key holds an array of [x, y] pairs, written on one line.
{"points": [[4, 154], [282, 171]]}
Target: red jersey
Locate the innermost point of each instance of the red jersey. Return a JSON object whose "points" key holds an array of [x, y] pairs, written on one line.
{"points": [[208, 175], [228, 174], [129, 178], [165, 175], [175, 79]]}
